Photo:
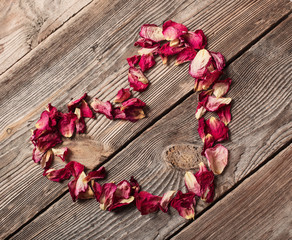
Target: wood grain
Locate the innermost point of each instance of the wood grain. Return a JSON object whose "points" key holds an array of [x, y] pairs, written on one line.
{"points": [[259, 208], [24, 24], [262, 123]]}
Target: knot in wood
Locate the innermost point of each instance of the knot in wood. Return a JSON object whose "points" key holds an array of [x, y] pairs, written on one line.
{"points": [[183, 156]]}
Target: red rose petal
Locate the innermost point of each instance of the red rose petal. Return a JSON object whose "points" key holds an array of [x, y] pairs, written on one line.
{"points": [[172, 30], [198, 67], [132, 61], [201, 128], [75, 168], [47, 140], [103, 108], [145, 43], [79, 122], [44, 122], [77, 186], [219, 60], [207, 80], [166, 199], [86, 112], [152, 32], [133, 102], [37, 155], [208, 142], [186, 55], [118, 114], [57, 175], [72, 105], [217, 129], [98, 174], [133, 114], [217, 158], [123, 95], [224, 114], [97, 189], [146, 62], [135, 186], [213, 103], [192, 183], [61, 152], [67, 124], [137, 79], [147, 203], [107, 195], [184, 203], [167, 50], [196, 40], [221, 87]]}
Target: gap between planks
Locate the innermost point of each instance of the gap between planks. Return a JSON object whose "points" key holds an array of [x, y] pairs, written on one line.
{"points": [[156, 119]]}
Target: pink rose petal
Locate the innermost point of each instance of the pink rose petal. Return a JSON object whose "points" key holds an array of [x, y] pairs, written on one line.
{"points": [[196, 40], [186, 55], [132, 61], [146, 62], [152, 32], [103, 108], [137, 79], [213, 103], [60, 152], [221, 87], [217, 129], [123, 95], [166, 199], [224, 114], [67, 124], [172, 30], [217, 158]]}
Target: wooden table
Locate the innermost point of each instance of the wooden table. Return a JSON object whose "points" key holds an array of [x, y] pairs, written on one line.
{"points": [[53, 51]]}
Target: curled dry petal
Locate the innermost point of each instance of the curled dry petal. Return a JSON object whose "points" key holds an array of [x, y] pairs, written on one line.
{"points": [[150, 50], [103, 108], [47, 159], [167, 50], [123, 95], [44, 122], [205, 179], [208, 142], [45, 140], [147, 203], [145, 43], [166, 199], [207, 80], [98, 174], [152, 32], [133, 102], [77, 186], [79, 122], [37, 155], [107, 195], [119, 114], [201, 128], [186, 55], [184, 203], [75, 168], [133, 114], [217, 129], [137, 79], [172, 30], [135, 186], [224, 114], [97, 189], [132, 61], [213, 103], [72, 105], [86, 112], [192, 183], [57, 175], [60, 152], [146, 62], [199, 65], [196, 40], [217, 158], [67, 124], [221, 87], [200, 111], [219, 60]]}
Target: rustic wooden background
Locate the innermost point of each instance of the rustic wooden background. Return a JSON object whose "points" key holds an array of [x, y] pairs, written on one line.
{"points": [[54, 51]]}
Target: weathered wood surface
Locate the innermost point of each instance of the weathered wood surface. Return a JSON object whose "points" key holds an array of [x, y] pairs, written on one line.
{"points": [[158, 157], [24, 24], [260, 208]]}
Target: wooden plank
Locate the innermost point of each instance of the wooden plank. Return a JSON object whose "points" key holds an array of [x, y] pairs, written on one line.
{"points": [[260, 208], [24, 24], [262, 122]]}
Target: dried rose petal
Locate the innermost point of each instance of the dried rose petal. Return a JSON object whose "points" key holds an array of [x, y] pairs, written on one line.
{"points": [[152, 32], [61, 152], [137, 79], [199, 65], [103, 108], [47, 159], [196, 40], [207, 80], [79, 122], [217, 158], [166, 199], [213, 103], [123, 95], [221, 87], [224, 114], [200, 111], [97, 189], [67, 124], [184, 203], [167, 50], [204, 94], [147, 203], [219, 60], [146, 62], [37, 154], [133, 114], [44, 122], [145, 43], [118, 114], [77, 186], [54, 114], [86, 112], [174, 43], [172, 30], [217, 129], [57, 175], [201, 128], [205, 179], [107, 195], [133, 102], [88, 194], [98, 174], [186, 55], [135, 186], [75, 168], [132, 61], [72, 105], [47, 140], [151, 50], [192, 183], [208, 142]]}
